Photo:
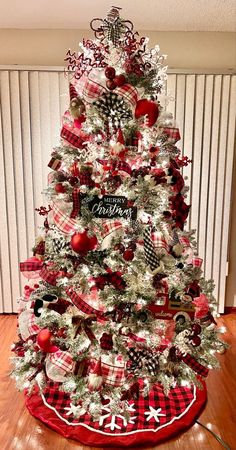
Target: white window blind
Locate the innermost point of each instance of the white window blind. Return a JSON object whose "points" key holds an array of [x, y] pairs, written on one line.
{"points": [[32, 102]]}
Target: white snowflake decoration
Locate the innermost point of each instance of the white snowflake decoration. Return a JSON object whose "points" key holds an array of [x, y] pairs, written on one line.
{"points": [[154, 413], [112, 424], [75, 411]]}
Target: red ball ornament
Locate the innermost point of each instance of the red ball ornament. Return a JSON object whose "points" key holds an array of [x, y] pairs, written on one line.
{"points": [[110, 72], [147, 107], [110, 85], [80, 242], [128, 254], [196, 328], [59, 188], [73, 181], [120, 80], [93, 242], [195, 341], [44, 341]]}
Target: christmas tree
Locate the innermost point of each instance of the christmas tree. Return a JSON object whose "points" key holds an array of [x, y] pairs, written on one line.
{"points": [[116, 324]]}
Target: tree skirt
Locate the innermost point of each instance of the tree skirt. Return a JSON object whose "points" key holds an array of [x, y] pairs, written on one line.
{"points": [[152, 419]]}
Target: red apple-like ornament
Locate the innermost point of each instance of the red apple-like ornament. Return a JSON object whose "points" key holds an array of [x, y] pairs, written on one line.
{"points": [[82, 243], [128, 254], [60, 188], [110, 72], [93, 242], [110, 85], [147, 108], [44, 341], [119, 80]]}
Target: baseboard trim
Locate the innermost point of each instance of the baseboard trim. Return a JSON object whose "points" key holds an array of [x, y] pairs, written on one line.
{"points": [[230, 310]]}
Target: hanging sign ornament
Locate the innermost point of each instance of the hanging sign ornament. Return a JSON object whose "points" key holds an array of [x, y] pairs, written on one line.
{"points": [[112, 27]]}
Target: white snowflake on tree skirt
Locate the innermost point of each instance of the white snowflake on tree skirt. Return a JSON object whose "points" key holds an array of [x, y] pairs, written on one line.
{"points": [[154, 413], [75, 410], [112, 425]]}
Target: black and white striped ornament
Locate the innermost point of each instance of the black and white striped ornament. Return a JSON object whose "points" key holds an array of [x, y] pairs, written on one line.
{"points": [[149, 250]]}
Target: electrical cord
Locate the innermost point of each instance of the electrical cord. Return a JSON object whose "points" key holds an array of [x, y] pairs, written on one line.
{"points": [[218, 438]]}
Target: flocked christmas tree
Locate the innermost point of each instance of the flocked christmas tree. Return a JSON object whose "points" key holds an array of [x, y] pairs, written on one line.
{"points": [[116, 305]]}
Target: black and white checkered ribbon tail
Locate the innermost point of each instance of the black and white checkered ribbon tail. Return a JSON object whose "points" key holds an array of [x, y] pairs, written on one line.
{"points": [[152, 364], [60, 244], [149, 250]]}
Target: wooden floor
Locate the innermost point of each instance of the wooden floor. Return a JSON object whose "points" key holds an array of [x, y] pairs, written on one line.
{"points": [[20, 431]]}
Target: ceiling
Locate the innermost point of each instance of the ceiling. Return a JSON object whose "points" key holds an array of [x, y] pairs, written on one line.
{"points": [[158, 15]]}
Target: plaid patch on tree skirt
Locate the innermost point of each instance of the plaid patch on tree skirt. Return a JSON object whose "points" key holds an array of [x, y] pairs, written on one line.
{"points": [[152, 413]]}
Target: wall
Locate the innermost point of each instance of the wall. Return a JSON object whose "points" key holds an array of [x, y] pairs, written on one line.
{"points": [[185, 50], [206, 50]]}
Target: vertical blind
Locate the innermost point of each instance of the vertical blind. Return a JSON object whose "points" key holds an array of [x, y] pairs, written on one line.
{"points": [[32, 102]]}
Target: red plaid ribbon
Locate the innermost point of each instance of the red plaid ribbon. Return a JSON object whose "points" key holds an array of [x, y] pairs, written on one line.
{"points": [[81, 304], [71, 137], [113, 373], [76, 203], [196, 366], [109, 226], [159, 241], [49, 276], [32, 325], [31, 266], [184, 241], [172, 133], [63, 222], [197, 262], [63, 360], [92, 90], [129, 93], [54, 163]]}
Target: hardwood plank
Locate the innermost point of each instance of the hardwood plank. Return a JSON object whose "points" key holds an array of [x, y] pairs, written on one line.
{"points": [[20, 431]]}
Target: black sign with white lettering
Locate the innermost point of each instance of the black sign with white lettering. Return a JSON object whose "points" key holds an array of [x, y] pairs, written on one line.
{"points": [[111, 206]]}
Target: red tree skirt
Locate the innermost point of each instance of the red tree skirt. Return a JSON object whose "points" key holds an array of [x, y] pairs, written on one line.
{"points": [[152, 419]]}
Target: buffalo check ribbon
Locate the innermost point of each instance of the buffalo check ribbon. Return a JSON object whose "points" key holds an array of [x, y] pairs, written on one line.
{"points": [[31, 266], [195, 365], [49, 276], [81, 304], [76, 203], [71, 137]]}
